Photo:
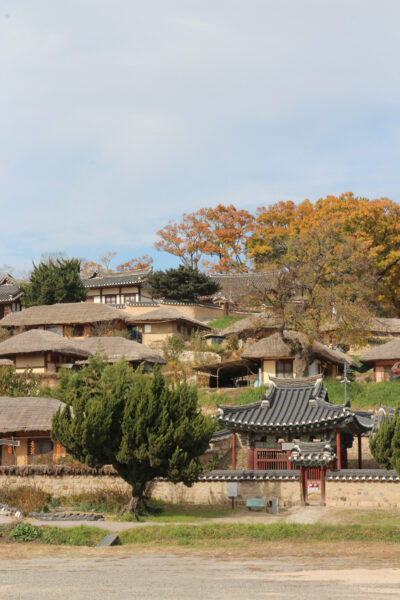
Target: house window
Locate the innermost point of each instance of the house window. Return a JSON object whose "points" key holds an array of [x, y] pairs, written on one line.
{"points": [[147, 328], [110, 299], [37, 448], [284, 368], [131, 298], [77, 331]]}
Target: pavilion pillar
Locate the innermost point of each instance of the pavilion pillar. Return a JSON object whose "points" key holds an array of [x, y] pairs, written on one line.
{"points": [[323, 489], [251, 457], [338, 450], [359, 452], [234, 450]]}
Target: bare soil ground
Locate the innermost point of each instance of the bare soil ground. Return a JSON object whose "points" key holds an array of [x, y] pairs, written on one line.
{"points": [[275, 571]]}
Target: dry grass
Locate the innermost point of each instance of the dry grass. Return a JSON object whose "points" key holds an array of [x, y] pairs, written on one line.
{"points": [[25, 498]]}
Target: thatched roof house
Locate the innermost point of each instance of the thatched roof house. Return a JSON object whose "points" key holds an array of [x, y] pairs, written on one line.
{"points": [[28, 421], [277, 358], [73, 319], [117, 347], [156, 326], [382, 358], [43, 351], [254, 326]]}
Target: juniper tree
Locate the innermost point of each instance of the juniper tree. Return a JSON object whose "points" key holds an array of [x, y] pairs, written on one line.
{"points": [[183, 283], [385, 443], [53, 281], [144, 426]]}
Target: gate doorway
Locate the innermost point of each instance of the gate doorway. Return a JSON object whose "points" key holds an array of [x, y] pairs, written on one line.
{"points": [[312, 481]]}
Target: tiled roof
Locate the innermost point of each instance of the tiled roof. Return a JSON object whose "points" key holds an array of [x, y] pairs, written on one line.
{"points": [[237, 287], [292, 404], [100, 279], [313, 454], [9, 289], [343, 475]]}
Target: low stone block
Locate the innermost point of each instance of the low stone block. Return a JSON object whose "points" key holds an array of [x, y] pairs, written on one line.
{"points": [[111, 539]]}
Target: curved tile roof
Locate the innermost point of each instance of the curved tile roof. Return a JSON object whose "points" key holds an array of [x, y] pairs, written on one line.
{"points": [[291, 404]]}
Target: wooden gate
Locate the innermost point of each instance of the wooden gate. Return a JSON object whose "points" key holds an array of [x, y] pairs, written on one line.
{"points": [[312, 481]]}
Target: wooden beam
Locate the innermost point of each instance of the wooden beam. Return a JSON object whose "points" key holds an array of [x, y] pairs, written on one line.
{"points": [[359, 452], [338, 450], [234, 450]]}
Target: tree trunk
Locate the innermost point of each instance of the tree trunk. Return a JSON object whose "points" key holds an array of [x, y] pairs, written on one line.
{"points": [[133, 505]]}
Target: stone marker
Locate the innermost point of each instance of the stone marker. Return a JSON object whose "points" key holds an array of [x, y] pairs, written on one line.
{"points": [[111, 539]]}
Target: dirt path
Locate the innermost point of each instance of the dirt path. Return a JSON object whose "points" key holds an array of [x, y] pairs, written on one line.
{"points": [[300, 515], [116, 575]]}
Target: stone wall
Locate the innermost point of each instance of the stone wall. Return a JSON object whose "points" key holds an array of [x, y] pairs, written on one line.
{"points": [[339, 493]]}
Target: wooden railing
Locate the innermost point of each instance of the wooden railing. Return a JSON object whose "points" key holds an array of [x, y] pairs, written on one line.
{"points": [[271, 460]]}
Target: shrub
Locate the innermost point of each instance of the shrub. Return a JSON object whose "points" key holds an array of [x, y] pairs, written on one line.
{"points": [[26, 498], [24, 532], [172, 348]]}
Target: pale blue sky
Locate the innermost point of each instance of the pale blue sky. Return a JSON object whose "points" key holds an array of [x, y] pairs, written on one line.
{"points": [[116, 116]]}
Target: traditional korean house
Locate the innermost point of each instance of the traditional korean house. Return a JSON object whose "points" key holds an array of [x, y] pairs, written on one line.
{"points": [[227, 374], [241, 289], [74, 319], [25, 425], [276, 358], [115, 348], [117, 288], [156, 326], [42, 351], [10, 295], [292, 411], [253, 327], [382, 358]]}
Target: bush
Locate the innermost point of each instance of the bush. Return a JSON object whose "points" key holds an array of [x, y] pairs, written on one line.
{"points": [[104, 501], [26, 498], [24, 532], [172, 348]]}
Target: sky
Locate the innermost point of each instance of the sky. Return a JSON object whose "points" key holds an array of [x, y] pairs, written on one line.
{"points": [[117, 116]]}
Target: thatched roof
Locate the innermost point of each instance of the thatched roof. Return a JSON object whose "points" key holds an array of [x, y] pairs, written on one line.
{"points": [[274, 347], [73, 313], [5, 362], [236, 287], [389, 351], [26, 414], [38, 340], [252, 323], [164, 315], [117, 347], [377, 325]]}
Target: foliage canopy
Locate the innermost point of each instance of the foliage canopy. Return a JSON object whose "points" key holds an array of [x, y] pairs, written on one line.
{"points": [[54, 281], [143, 426], [183, 284]]}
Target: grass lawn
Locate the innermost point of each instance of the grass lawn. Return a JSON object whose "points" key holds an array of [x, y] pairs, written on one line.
{"points": [[365, 395], [224, 321], [220, 534], [210, 398], [23, 532], [180, 513]]}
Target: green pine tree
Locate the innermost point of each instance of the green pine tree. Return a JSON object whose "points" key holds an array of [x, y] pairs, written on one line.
{"points": [[381, 442], [54, 281], [183, 284], [144, 426]]}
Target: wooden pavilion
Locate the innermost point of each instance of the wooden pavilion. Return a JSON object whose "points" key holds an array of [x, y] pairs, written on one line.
{"points": [[292, 411]]}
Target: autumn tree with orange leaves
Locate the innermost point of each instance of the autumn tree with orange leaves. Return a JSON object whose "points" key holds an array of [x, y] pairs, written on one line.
{"points": [[214, 238], [374, 226], [104, 264]]}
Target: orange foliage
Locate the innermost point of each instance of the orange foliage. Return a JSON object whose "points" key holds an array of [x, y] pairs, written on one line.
{"points": [[134, 264], [218, 233]]}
